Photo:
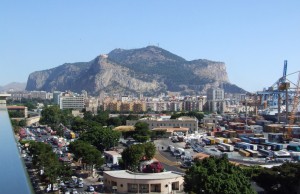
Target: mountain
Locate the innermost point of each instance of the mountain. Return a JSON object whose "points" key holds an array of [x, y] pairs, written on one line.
{"points": [[150, 70], [14, 86]]}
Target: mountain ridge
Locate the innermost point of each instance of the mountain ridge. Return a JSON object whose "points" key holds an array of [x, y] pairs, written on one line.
{"points": [[149, 70]]}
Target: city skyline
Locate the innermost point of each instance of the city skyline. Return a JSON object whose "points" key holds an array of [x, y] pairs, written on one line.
{"points": [[252, 38]]}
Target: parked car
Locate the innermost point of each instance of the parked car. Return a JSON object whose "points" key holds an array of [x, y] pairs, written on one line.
{"points": [[80, 185], [74, 191]]}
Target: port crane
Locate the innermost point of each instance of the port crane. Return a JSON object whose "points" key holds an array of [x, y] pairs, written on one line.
{"points": [[288, 132], [280, 95]]}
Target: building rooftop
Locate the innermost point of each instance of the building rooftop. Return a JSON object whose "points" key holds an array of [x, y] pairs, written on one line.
{"points": [[124, 174]]}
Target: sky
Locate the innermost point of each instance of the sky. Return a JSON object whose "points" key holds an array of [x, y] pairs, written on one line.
{"points": [[252, 37]]}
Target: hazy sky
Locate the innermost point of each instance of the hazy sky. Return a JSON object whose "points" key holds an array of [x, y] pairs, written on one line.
{"points": [[252, 37]]}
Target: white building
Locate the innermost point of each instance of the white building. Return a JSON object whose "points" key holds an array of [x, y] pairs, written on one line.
{"points": [[215, 99], [69, 101], [112, 157], [122, 181]]}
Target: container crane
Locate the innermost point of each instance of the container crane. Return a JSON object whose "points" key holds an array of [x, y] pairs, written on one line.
{"points": [[288, 135]]}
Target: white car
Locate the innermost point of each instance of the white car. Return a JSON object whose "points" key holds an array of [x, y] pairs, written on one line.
{"points": [[74, 191], [80, 185]]}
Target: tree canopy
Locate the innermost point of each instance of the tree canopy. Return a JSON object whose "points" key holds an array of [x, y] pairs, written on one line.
{"points": [[141, 132], [86, 152], [198, 115], [101, 137], [216, 176], [132, 155], [284, 179], [53, 117], [45, 159]]}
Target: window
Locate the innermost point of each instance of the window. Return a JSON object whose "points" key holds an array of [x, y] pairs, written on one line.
{"points": [[155, 188], [132, 188], [175, 185], [144, 188]]}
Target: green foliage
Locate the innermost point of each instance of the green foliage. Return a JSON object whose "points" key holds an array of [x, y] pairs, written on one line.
{"points": [[102, 117], [216, 175], [198, 115], [101, 137], [150, 150], [284, 179], [132, 155], [16, 114], [88, 153], [44, 158], [141, 132], [53, 117], [114, 121]]}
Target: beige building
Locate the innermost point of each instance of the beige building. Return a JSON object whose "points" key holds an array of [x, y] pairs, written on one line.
{"points": [[123, 181]]}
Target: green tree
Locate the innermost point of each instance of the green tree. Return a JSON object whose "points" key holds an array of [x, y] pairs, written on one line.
{"points": [[101, 137], [141, 132], [51, 116], [102, 117], [284, 179], [114, 121], [132, 155], [150, 150], [216, 175], [86, 152]]}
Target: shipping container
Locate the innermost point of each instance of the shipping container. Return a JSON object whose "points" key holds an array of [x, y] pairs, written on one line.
{"points": [[252, 153], [206, 141], [212, 140], [254, 140], [266, 153], [244, 153], [245, 139], [241, 145], [228, 147], [293, 147]]}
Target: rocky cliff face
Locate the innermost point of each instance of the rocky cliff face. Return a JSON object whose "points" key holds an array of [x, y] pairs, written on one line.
{"points": [[149, 70]]}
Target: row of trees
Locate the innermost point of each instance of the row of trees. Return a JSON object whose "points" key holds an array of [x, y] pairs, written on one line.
{"points": [[43, 158], [217, 175]]}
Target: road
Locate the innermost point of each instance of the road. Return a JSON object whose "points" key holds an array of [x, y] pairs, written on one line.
{"points": [[170, 162]]}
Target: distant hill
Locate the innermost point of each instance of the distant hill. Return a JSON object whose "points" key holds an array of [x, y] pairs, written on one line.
{"points": [[150, 70], [15, 86]]}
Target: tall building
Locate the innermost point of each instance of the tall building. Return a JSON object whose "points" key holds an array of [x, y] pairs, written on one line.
{"points": [[56, 95], [71, 101], [215, 100]]}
